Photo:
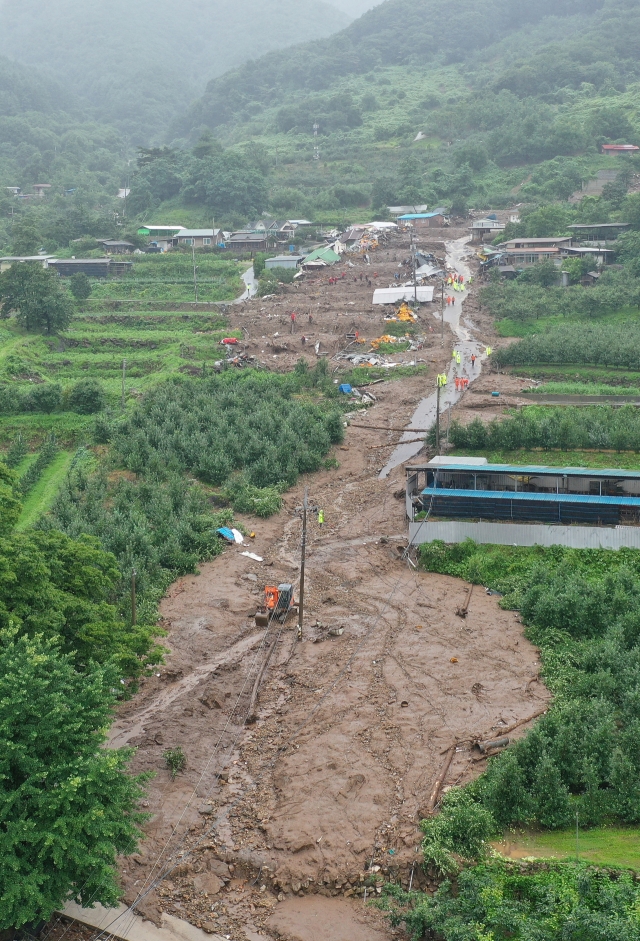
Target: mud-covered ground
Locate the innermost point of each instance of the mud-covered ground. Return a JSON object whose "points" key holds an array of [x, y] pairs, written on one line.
{"points": [[278, 826]]}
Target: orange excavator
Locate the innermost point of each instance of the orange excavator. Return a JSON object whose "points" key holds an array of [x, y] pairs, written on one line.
{"points": [[277, 603]]}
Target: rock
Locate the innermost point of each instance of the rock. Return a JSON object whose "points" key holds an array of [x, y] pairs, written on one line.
{"points": [[209, 926], [250, 577], [208, 882], [205, 809], [220, 869]]}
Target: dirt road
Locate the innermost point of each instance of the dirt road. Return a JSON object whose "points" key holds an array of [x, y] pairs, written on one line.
{"points": [[282, 824]]}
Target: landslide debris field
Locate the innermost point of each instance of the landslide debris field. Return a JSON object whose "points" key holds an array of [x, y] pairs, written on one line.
{"points": [[320, 796]]}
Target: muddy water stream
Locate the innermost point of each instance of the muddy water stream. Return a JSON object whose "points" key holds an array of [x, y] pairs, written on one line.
{"points": [[425, 414]]}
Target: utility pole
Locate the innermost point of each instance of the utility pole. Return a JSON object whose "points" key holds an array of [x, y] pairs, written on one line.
{"points": [[438, 417], [442, 318], [124, 376], [134, 616], [195, 277], [415, 283], [305, 507]]}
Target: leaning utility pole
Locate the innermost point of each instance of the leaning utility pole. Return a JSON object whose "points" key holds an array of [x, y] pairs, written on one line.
{"points": [[442, 318], [305, 507]]}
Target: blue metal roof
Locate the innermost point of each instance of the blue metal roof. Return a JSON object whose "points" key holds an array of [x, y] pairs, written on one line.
{"points": [[528, 470], [424, 215], [539, 497]]}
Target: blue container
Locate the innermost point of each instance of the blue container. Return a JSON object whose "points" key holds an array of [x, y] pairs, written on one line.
{"points": [[345, 388]]}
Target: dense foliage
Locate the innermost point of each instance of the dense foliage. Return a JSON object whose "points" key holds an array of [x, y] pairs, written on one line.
{"points": [[582, 608], [590, 344], [34, 294], [506, 901], [563, 428], [217, 426], [63, 589], [159, 527], [67, 807]]}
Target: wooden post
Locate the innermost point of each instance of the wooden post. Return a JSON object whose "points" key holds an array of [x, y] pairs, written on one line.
{"points": [[124, 377], [305, 506]]}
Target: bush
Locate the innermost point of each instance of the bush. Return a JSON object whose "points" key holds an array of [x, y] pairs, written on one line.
{"points": [[463, 827], [87, 397], [80, 286]]}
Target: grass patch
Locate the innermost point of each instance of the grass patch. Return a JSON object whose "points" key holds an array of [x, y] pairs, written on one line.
{"points": [[70, 429], [41, 497], [365, 375], [627, 460], [610, 375], [604, 846], [582, 388]]}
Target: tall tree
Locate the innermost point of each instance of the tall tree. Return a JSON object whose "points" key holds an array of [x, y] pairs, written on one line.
{"points": [[67, 806], [36, 297]]}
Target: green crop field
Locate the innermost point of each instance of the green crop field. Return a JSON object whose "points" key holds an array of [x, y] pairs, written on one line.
{"points": [[606, 846], [41, 497]]}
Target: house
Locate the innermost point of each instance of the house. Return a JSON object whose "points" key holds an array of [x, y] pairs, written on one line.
{"points": [[276, 228], [407, 292], [523, 257], [599, 256], [123, 192], [284, 261], [485, 228], [403, 210], [160, 236], [40, 189], [7, 261], [617, 149], [425, 220], [197, 238], [13, 189], [246, 242], [114, 247], [92, 267], [535, 243], [599, 232]]}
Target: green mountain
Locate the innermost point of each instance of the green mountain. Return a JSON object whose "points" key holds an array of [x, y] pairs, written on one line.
{"points": [[501, 96], [137, 65]]}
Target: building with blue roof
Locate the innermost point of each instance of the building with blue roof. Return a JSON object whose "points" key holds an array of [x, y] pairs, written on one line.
{"points": [[433, 219], [523, 504]]}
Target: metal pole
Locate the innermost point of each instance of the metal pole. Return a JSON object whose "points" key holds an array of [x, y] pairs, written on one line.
{"points": [[415, 283], [302, 561], [195, 278], [577, 845], [442, 318], [124, 376], [134, 616], [438, 418]]}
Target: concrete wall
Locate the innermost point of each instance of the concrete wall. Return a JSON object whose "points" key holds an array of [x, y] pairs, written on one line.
{"points": [[523, 534]]}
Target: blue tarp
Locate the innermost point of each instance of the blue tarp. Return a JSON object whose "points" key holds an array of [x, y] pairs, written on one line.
{"points": [[226, 533], [345, 388]]}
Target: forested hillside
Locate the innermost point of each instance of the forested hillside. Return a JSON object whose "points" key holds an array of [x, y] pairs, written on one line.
{"points": [[490, 91], [138, 65]]}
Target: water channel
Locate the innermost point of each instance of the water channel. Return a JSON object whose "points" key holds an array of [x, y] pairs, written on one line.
{"points": [[425, 414]]}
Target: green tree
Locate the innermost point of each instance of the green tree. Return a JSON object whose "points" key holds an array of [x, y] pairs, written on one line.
{"points": [[9, 504], [87, 397], [67, 806], [553, 809], [34, 294], [25, 237], [80, 286]]}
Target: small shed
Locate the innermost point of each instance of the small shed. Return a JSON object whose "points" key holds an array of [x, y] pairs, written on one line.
{"points": [[426, 220], [325, 254], [403, 293], [92, 267], [284, 261], [115, 247]]}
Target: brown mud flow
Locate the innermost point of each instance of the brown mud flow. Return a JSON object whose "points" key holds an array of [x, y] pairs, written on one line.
{"points": [[286, 822]]}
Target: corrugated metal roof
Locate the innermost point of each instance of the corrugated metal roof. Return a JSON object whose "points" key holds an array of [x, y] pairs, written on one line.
{"points": [[536, 497], [424, 215], [526, 470]]}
